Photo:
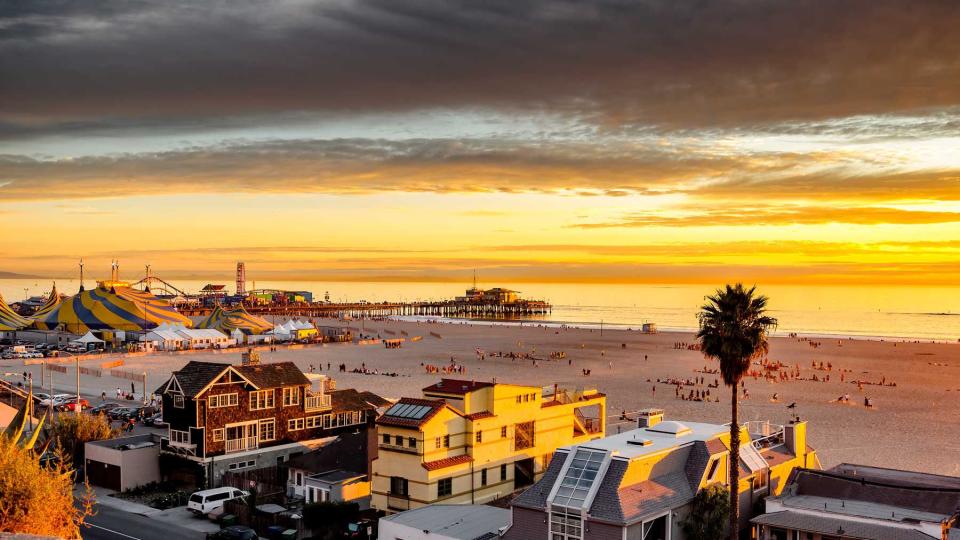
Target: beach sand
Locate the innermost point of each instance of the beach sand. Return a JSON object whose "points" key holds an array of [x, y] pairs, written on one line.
{"points": [[913, 425]]}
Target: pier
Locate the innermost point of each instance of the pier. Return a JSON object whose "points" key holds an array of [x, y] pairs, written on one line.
{"points": [[448, 308]]}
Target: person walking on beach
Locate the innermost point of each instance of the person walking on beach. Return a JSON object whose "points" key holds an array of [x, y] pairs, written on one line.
{"points": [[119, 393]]}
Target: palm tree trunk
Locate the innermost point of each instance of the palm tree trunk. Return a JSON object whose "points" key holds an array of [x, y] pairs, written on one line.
{"points": [[734, 466]]}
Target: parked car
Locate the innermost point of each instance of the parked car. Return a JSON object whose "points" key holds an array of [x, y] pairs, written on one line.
{"points": [[41, 396], [104, 407], [155, 420], [122, 413], [234, 532], [56, 400], [208, 500], [71, 404]]}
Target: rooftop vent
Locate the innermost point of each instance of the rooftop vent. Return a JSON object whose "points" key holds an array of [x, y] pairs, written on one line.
{"points": [[640, 442]]}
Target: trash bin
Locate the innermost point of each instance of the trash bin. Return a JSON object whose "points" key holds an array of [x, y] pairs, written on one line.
{"points": [[274, 531], [289, 534], [227, 520]]}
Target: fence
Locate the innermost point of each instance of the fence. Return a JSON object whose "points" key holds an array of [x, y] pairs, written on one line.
{"points": [[57, 368], [110, 365], [120, 374], [93, 372]]}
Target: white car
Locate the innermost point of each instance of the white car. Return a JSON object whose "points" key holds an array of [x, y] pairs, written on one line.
{"points": [[56, 400], [208, 500]]}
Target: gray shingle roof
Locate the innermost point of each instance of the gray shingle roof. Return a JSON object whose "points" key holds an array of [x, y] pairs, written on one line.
{"points": [[653, 496], [828, 525], [536, 496], [194, 376], [696, 464], [606, 505], [274, 375]]}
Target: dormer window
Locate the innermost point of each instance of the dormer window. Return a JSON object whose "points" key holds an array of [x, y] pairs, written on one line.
{"points": [[712, 470]]}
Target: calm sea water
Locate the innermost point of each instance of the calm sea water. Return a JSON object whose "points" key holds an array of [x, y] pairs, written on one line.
{"points": [[909, 312]]}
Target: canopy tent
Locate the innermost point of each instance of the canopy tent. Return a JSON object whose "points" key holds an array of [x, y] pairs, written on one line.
{"points": [[118, 307], [87, 339], [51, 304], [235, 319], [10, 320]]}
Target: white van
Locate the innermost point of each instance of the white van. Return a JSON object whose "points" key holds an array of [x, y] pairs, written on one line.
{"points": [[208, 500]]}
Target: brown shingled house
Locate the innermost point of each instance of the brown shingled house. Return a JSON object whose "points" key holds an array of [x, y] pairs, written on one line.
{"points": [[225, 417]]}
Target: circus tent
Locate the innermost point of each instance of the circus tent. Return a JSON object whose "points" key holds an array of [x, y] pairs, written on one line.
{"points": [[52, 302], [10, 320], [236, 319], [111, 306]]}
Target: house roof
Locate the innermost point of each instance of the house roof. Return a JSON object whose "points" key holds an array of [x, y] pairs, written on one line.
{"points": [[479, 415], [374, 399], [395, 416], [195, 376], [336, 476], [456, 386], [446, 462], [536, 496], [653, 496], [921, 496], [349, 399], [274, 374], [459, 521], [346, 452], [832, 525]]}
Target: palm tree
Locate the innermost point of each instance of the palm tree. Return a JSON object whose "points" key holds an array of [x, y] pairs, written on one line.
{"points": [[733, 330]]}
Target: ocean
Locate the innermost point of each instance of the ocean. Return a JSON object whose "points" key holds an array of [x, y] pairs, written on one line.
{"points": [[927, 313]]}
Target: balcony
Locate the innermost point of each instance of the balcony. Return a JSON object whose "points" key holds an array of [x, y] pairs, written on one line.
{"points": [[316, 402], [240, 445]]}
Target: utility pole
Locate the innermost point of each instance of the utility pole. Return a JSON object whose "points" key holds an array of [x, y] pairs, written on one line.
{"points": [[77, 408], [601, 327], [144, 387], [30, 404]]}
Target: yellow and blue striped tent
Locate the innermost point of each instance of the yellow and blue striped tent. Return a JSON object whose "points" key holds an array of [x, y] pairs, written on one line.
{"points": [[240, 318], [111, 307], [51, 304], [10, 320]]}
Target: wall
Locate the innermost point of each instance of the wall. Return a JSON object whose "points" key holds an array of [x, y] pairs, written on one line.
{"points": [[137, 466]]}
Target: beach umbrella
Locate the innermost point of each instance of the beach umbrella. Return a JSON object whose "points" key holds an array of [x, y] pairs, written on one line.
{"points": [[10, 320], [111, 308]]}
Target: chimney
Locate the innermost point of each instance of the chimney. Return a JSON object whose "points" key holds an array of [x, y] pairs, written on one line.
{"points": [[795, 437], [648, 418]]}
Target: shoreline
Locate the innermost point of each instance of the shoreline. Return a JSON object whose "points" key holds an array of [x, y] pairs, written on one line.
{"points": [[583, 325]]}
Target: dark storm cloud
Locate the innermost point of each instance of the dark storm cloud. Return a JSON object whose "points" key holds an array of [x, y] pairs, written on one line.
{"points": [[664, 62]]}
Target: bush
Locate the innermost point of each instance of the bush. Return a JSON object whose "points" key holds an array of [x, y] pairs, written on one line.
{"points": [[72, 431], [329, 518]]}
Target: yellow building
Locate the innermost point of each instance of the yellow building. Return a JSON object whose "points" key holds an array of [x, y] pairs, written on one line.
{"points": [[472, 442]]}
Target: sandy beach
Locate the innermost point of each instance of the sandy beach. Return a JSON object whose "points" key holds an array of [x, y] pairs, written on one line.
{"points": [[912, 425]]}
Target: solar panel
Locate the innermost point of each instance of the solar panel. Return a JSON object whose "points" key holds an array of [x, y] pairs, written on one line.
{"points": [[420, 412], [393, 410]]}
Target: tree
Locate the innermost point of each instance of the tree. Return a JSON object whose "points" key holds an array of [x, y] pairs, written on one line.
{"points": [[708, 515], [37, 498], [733, 330], [72, 431]]}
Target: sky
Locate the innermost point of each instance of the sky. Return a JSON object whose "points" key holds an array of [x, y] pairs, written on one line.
{"points": [[647, 141]]}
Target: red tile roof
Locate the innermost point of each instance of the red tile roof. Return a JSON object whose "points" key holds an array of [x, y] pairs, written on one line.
{"points": [[446, 462], [479, 415], [456, 386], [436, 405]]}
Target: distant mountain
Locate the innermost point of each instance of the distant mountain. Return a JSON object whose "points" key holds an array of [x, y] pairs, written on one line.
{"points": [[14, 275]]}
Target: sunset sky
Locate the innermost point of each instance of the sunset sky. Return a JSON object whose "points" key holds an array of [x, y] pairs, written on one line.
{"points": [[622, 141]]}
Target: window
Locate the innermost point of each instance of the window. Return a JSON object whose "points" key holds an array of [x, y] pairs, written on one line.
{"points": [[268, 430], [180, 437], [438, 442], [218, 435], [503, 432], [445, 487], [526, 397], [446, 441], [295, 424], [222, 400], [262, 399], [760, 480], [291, 396], [398, 440], [386, 438], [519, 399], [313, 422], [564, 526], [483, 477], [479, 436], [412, 442], [503, 472], [712, 470], [299, 478], [242, 465], [178, 401], [398, 486]]}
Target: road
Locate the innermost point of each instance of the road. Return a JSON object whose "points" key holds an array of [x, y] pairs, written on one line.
{"points": [[113, 524]]}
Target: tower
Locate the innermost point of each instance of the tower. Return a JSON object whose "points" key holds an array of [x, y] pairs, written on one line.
{"points": [[241, 279]]}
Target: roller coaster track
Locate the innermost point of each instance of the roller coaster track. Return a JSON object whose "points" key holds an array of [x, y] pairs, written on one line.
{"points": [[156, 284]]}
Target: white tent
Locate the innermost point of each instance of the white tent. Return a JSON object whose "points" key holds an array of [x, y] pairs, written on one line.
{"points": [[166, 339], [87, 339]]}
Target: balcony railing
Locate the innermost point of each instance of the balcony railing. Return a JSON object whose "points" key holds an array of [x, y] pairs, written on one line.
{"points": [[240, 445], [317, 402]]}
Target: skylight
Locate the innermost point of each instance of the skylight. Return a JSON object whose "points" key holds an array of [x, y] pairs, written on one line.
{"points": [[580, 476]]}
